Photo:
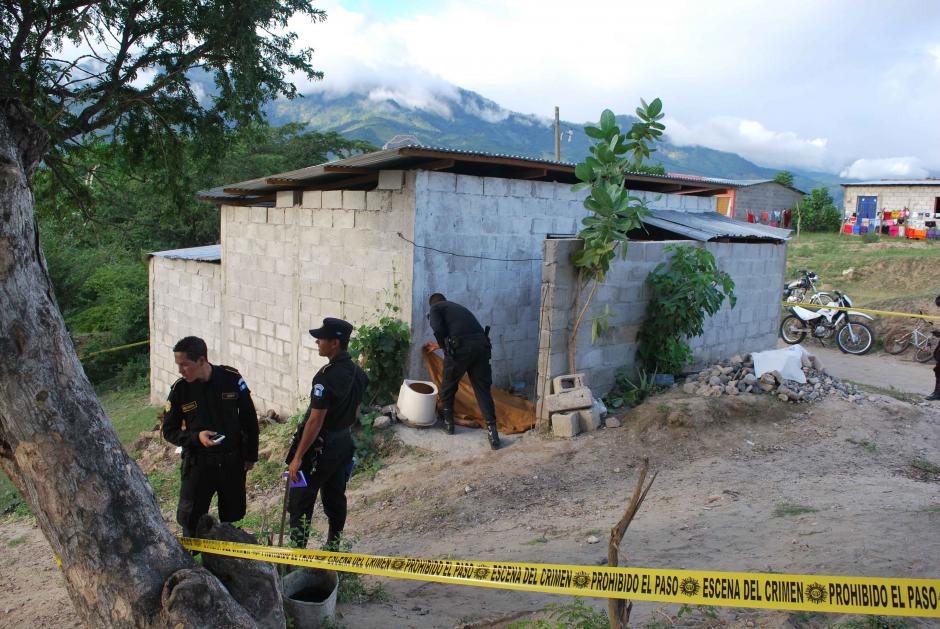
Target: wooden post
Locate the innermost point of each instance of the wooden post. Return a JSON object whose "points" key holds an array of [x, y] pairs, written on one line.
{"points": [[557, 137]]}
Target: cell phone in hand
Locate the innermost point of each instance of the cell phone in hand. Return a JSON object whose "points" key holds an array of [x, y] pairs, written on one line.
{"points": [[217, 438]]}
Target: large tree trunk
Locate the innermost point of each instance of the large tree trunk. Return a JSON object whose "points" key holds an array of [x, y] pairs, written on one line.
{"points": [[122, 566]]}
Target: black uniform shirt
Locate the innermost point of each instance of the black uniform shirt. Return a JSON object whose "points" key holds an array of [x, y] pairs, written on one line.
{"points": [[338, 388], [452, 320], [221, 404]]}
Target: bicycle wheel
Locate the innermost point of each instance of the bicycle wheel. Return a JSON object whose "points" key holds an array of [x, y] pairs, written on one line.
{"points": [[897, 343], [792, 330], [924, 352], [859, 344]]}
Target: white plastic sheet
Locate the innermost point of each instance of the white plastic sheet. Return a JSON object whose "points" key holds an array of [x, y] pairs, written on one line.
{"points": [[788, 361]]}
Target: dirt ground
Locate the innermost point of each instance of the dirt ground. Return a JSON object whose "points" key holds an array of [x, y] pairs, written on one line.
{"points": [[725, 465]]}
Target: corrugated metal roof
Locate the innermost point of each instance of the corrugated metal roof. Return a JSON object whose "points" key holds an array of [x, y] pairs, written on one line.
{"points": [[338, 172], [896, 182], [705, 226], [207, 253]]}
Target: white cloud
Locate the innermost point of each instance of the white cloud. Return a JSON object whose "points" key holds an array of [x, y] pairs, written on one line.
{"points": [[752, 140], [934, 52], [886, 168]]}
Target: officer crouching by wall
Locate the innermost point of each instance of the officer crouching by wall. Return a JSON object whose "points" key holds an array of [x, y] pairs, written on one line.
{"points": [[209, 412], [467, 350], [322, 447]]}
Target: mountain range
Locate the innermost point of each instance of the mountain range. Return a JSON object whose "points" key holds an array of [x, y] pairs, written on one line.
{"points": [[463, 119]]}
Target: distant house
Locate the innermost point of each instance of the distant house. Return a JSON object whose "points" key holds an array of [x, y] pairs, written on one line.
{"points": [[917, 200], [762, 198]]}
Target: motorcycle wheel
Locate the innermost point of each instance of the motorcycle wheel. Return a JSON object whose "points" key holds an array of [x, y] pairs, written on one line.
{"points": [[861, 345], [897, 343], [792, 330], [924, 354]]}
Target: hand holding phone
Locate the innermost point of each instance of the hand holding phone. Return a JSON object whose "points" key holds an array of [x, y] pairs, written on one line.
{"points": [[217, 438]]}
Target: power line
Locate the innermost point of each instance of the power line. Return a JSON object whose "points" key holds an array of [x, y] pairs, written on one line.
{"points": [[463, 255]]}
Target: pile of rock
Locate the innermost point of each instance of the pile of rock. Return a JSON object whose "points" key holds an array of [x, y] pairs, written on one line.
{"points": [[736, 377]]}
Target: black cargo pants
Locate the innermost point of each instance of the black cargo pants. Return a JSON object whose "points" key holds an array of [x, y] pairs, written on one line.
{"points": [[471, 356], [203, 475], [327, 479]]}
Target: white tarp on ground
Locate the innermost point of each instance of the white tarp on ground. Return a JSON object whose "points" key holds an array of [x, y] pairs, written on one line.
{"points": [[788, 361]]}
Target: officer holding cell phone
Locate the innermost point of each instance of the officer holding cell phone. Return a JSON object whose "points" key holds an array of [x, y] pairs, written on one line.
{"points": [[210, 414], [322, 447]]}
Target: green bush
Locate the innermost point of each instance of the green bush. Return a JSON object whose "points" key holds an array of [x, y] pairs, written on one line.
{"points": [[684, 291], [383, 348], [817, 212]]}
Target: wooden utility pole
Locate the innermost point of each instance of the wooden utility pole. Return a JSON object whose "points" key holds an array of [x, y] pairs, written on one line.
{"points": [[557, 137]]}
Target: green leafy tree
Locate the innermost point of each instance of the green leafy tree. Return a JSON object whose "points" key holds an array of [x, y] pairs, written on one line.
{"points": [[684, 291], [614, 211], [784, 177], [131, 82], [818, 213]]}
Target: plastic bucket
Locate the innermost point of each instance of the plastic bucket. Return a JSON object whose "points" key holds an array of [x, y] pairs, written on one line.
{"points": [[310, 597], [416, 402]]}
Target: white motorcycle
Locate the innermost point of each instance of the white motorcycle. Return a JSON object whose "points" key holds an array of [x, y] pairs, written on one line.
{"points": [[852, 337]]}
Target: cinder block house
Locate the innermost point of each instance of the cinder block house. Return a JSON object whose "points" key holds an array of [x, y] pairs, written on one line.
{"points": [[344, 238], [870, 199]]}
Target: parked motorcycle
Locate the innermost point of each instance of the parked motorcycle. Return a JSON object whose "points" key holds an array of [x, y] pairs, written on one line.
{"points": [[852, 337], [804, 289]]}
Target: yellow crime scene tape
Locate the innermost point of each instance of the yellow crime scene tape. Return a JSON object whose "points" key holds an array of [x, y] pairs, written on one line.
{"points": [[865, 310], [114, 349], [798, 592]]}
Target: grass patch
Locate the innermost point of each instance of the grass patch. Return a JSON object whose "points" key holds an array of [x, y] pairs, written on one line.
{"points": [[16, 541], [903, 396], [925, 466], [590, 532], [873, 622], [873, 260], [536, 541], [166, 487], [786, 509], [864, 443], [931, 509], [130, 412]]}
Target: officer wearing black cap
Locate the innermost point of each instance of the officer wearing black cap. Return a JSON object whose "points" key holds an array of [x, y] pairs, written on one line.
{"points": [[210, 414], [467, 350], [322, 447]]}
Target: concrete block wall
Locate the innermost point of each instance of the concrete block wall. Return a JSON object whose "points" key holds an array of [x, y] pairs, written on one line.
{"points": [[483, 218], [330, 253], [758, 272], [185, 300], [920, 199], [764, 197]]}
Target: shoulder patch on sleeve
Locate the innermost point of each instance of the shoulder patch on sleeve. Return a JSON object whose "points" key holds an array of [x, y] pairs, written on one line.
{"points": [[167, 406], [242, 385], [318, 391]]}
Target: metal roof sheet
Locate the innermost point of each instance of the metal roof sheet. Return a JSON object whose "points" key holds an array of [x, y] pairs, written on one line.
{"points": [[207, 253], [896, 182], [411, 156], [705, 226]]}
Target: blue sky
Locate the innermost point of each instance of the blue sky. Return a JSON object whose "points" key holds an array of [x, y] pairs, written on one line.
{"points": [[839, 85]]}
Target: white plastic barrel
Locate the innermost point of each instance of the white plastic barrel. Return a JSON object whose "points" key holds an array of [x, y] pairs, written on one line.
{"points": [[416, 402]]}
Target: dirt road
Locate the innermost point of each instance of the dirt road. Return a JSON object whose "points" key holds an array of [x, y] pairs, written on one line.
{"points": [[746, 483], [877, 369]]}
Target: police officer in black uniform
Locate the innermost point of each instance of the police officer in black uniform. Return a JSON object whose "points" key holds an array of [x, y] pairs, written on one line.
{"points": [[936, 368], [322, 446], [467, 350], [210, 414]]}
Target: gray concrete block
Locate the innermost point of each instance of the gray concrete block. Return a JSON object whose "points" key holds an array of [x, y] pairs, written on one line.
{"points": [[441, 182], [332, 199], [570, 399], [467, 184], [391, 179], [589, 419], [566, 425], [495, 186]]}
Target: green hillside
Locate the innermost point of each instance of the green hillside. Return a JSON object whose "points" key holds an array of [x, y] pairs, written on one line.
{"points": [[467, 120]]}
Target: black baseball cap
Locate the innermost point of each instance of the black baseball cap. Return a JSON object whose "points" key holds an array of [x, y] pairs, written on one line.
{"points": [[333, 328]]}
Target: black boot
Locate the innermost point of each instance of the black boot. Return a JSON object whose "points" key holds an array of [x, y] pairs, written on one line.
{"points": [[447, 417], [934, 396], [492, 435]]}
